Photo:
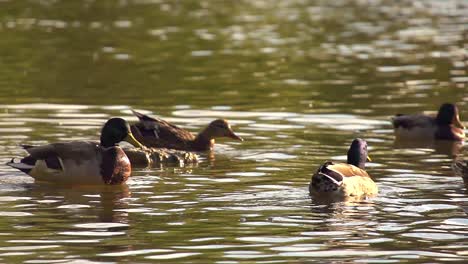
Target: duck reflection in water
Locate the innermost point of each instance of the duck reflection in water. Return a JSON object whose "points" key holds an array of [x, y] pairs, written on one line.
{"points": [[342, 217], [107, 203], [446, 147]]}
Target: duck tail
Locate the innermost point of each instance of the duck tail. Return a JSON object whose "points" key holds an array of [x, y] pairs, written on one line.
{"points": [[142, 117], [24, 165], [137, 114], [24, 146]]}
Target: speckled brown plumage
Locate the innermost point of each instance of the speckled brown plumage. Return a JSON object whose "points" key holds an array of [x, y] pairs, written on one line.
{"points": [[154, 157]]}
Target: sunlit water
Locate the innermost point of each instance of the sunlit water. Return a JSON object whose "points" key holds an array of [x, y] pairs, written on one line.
{"points": [[297, 80]]}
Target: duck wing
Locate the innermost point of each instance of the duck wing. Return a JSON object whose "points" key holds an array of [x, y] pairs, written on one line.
{"points": [[57, 158], [58, 155], [155, 132], [347, 170], [76, 150]]}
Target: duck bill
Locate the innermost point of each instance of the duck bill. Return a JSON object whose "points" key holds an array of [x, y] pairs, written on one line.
{"points": [[457, 122], [234, 136], [368, 158], [132, 140]]}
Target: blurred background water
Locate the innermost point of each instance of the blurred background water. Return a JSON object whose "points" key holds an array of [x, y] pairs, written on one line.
{"points": [[297, 79]]}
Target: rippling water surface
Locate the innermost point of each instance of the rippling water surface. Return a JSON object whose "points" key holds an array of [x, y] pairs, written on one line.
{"points": [[298, 80]]}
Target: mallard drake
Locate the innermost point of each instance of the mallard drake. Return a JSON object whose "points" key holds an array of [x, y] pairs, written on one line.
{"points": [[345, 179], [82, 162], [157, 133], [445, 126]]}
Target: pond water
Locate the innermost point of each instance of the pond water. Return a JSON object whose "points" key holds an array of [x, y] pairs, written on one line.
{"points": [[298, 80]]}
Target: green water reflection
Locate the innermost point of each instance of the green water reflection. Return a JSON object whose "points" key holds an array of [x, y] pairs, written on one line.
{"points": [[297, 79]]}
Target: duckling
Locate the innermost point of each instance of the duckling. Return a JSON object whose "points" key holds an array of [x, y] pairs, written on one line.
{"points": [[157, 133], [445, 126], [82, 162], [159, 157], [345, 179]]}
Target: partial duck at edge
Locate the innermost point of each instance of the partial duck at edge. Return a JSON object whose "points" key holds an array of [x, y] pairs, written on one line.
{"points": [[445, 126]]}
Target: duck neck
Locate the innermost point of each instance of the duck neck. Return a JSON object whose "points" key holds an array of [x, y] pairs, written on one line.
{"points": [[446, 115], [357, 161], [204, 140], [441, 121], [107, 142]]}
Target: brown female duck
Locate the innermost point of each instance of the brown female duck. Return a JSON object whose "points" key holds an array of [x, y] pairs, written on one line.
{"points": [[344, 179], [445, 126], [157, 133]]}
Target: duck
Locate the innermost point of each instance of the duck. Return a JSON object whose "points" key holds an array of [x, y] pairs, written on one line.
{"points": [[337, 180], [157, 133], [445, 126], [82, 162], [160, 157]]}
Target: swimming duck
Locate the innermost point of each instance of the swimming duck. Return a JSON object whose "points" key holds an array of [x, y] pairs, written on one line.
{"points": [[445, 126], [82, 162], [345, 179], [157, 133]]}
